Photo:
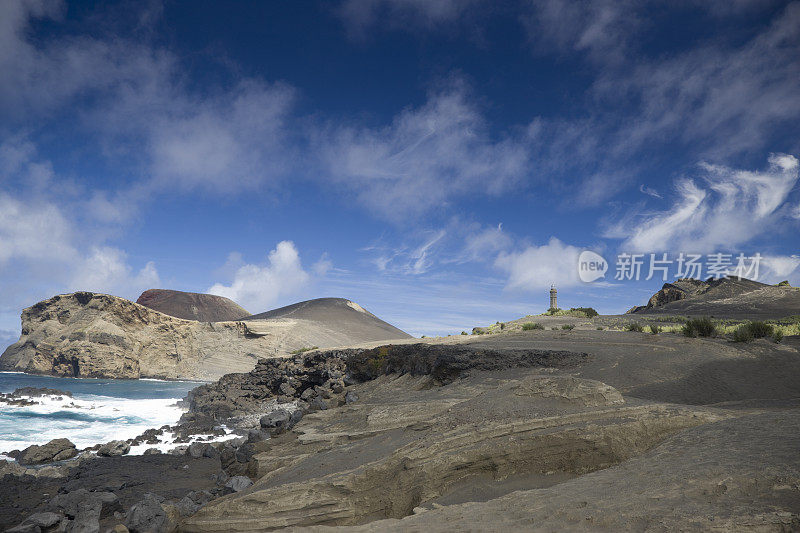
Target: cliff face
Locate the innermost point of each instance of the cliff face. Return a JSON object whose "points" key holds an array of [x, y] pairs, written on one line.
{"points": [[192, 305], [93, 335], [96, 335]]}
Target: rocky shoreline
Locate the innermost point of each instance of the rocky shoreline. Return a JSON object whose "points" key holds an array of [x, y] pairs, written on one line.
{"points": [[254, 408], [312, 439]]}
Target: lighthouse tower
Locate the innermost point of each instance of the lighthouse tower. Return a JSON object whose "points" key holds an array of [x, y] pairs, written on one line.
{"points": [[553, 297]]}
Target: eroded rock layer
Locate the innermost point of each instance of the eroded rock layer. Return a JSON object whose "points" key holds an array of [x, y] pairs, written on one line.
{"points": [[100, 336]]}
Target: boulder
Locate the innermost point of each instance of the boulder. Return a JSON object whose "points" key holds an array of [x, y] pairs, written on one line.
{"points": [[318, 404], [308, 394], [255, 435], [277, 419], [82, 501], [37, 522], [146, 516], [55, 450], [44, 520], [36, 392], [244, 453], [350, 397], [196, 449], [114, 448], [238, 483]]}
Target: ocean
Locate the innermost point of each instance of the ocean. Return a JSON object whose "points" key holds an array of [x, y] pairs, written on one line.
{"points": [[100, 410]]}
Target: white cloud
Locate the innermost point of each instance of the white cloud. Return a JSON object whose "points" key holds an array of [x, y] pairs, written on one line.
{"points": [[134, 95], [600, 28], [536, 267], [105, 269], [735, 94], [485, 243], [426, 158], [778, 267], [732, 208], [35, 230], [259, 287], [649, 191], [53, 239], [232, 142]]}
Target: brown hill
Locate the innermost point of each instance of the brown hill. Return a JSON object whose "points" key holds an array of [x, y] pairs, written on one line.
{"points": [[338, 317], [192, 305], [723, 298]]}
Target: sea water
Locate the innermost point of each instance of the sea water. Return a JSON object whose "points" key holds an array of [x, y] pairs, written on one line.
{"points": [[99, 411]]}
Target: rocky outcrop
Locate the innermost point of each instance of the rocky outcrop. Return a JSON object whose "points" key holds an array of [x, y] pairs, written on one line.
{"points": [[55, 450], [192, 305], [93, 335], [327, 372], [86, 334], [433, 442], [726, 297]]}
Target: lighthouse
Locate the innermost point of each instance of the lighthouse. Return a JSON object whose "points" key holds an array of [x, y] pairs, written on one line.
{"points": [[553, 297]]}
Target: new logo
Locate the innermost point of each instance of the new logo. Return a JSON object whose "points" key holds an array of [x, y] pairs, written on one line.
{"points": [[591, 266]]}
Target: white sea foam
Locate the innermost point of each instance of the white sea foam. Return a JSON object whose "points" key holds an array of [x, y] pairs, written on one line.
{"points": [[85, 420]]}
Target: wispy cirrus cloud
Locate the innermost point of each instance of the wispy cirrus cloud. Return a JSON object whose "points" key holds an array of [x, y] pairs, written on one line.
{"points": [[715, 100], [727, 209], [427, 157]]}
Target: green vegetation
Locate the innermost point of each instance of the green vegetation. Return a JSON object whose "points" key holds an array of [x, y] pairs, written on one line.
{"points": [[634, 326], [655, 330], [742, 334], [755, 330], [577, 312], [761, 329], [777, 336], [554, 328], [463, 332], [599, 328], [527, 326], [568, 327], [784, 283], [302, 350], [700, 327]]}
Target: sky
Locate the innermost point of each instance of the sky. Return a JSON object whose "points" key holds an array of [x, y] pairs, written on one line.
{"points": [[440, 162]]}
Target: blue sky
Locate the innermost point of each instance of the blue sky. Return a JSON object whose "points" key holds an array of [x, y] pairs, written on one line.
{"points": [[439, 162]]}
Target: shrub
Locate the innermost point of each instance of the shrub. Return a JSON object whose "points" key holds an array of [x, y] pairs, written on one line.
{"points": [[700, 327], [784, 283], [777, 336], [655, 330], [463, 332], [588, 311], [502, 325], [553, 310], [554, 328], [568, 327], [527, 326], [760, 329], [599, 328], [742, 334], [634, 326]]}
